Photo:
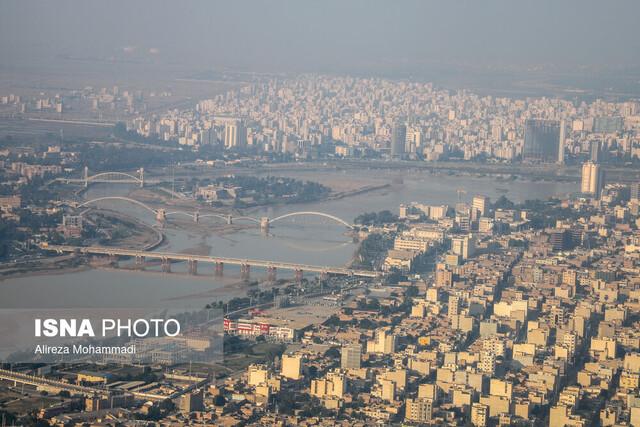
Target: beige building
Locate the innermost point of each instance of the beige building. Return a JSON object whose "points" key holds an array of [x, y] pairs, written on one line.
{"points": [[234, 134], [463, 246], [383, 342], [632, 362], [539, 337], [399, 259], [479, 414], [292, 366], [428, 391], [410, 244], [603, 348], [398, 376], [438, 212], [592, 179], [561, 415], [487, 363], [498, 387], [387, 390], [419, 410], [480, 204], [257, 374], [350, 356], [334, 385], [497, 405], [425, 233], [192, 401]]}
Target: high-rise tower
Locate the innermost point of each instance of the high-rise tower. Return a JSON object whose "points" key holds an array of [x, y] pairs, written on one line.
{"points": [[592, 179], [541, 141]]}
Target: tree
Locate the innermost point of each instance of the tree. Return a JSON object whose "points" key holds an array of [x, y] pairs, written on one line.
{"points": [[373, 218], [219, 400], [503, 203], [313, 371], [411, 291], [9, 418], [368, 324], [332, 353], [395, 276]]}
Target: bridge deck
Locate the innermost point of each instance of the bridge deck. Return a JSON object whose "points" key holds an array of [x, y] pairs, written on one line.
{"points": [[104, 250], [39, 381], [107, 181], [42, 381]]}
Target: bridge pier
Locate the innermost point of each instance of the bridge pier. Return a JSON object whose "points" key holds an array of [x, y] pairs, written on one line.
{"points": [[229, 220], [113, 259], [196, 217], [161, 216], [141, 177], [271, 273], [299, 275], [86, 177], [140, 260], [264, 224], [193, 266], [219, 269], [245, 271], [324, 276], [166, 265]]}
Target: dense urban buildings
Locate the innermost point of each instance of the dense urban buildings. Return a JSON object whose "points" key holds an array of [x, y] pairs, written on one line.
{"points": [[319, 116], [481, 310]]}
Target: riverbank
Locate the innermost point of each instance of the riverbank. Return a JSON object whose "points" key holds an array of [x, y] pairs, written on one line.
{"points": [[552, 172], [58, 265]]}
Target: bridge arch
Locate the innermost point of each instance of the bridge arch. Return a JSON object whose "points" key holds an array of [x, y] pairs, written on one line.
{"points": [[246, 218], [180, 213], [113, 174], [126, 199], [312, 213], [213, 215]]}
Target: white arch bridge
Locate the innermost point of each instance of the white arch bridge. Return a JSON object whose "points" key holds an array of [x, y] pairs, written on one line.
{"points": [[162, 214], [136, 178]]}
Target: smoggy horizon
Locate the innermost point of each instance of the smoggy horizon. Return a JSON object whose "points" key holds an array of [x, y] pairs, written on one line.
{"points": [[357, 36]]}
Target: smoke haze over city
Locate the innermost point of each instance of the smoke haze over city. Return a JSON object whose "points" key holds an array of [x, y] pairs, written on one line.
{"points": [[411, 36]]}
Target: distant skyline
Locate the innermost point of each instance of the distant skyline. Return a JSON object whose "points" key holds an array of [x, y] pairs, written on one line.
{"points": [[361, 36]]}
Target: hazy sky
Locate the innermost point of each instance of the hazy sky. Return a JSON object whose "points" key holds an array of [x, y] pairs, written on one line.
{"points": [[325, 35]]}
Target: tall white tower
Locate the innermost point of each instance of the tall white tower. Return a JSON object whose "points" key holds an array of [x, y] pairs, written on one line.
{"points": [[561, 142], [592, 179]]}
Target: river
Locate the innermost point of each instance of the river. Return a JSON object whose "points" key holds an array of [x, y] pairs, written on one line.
{"points": [[301, 239]]}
